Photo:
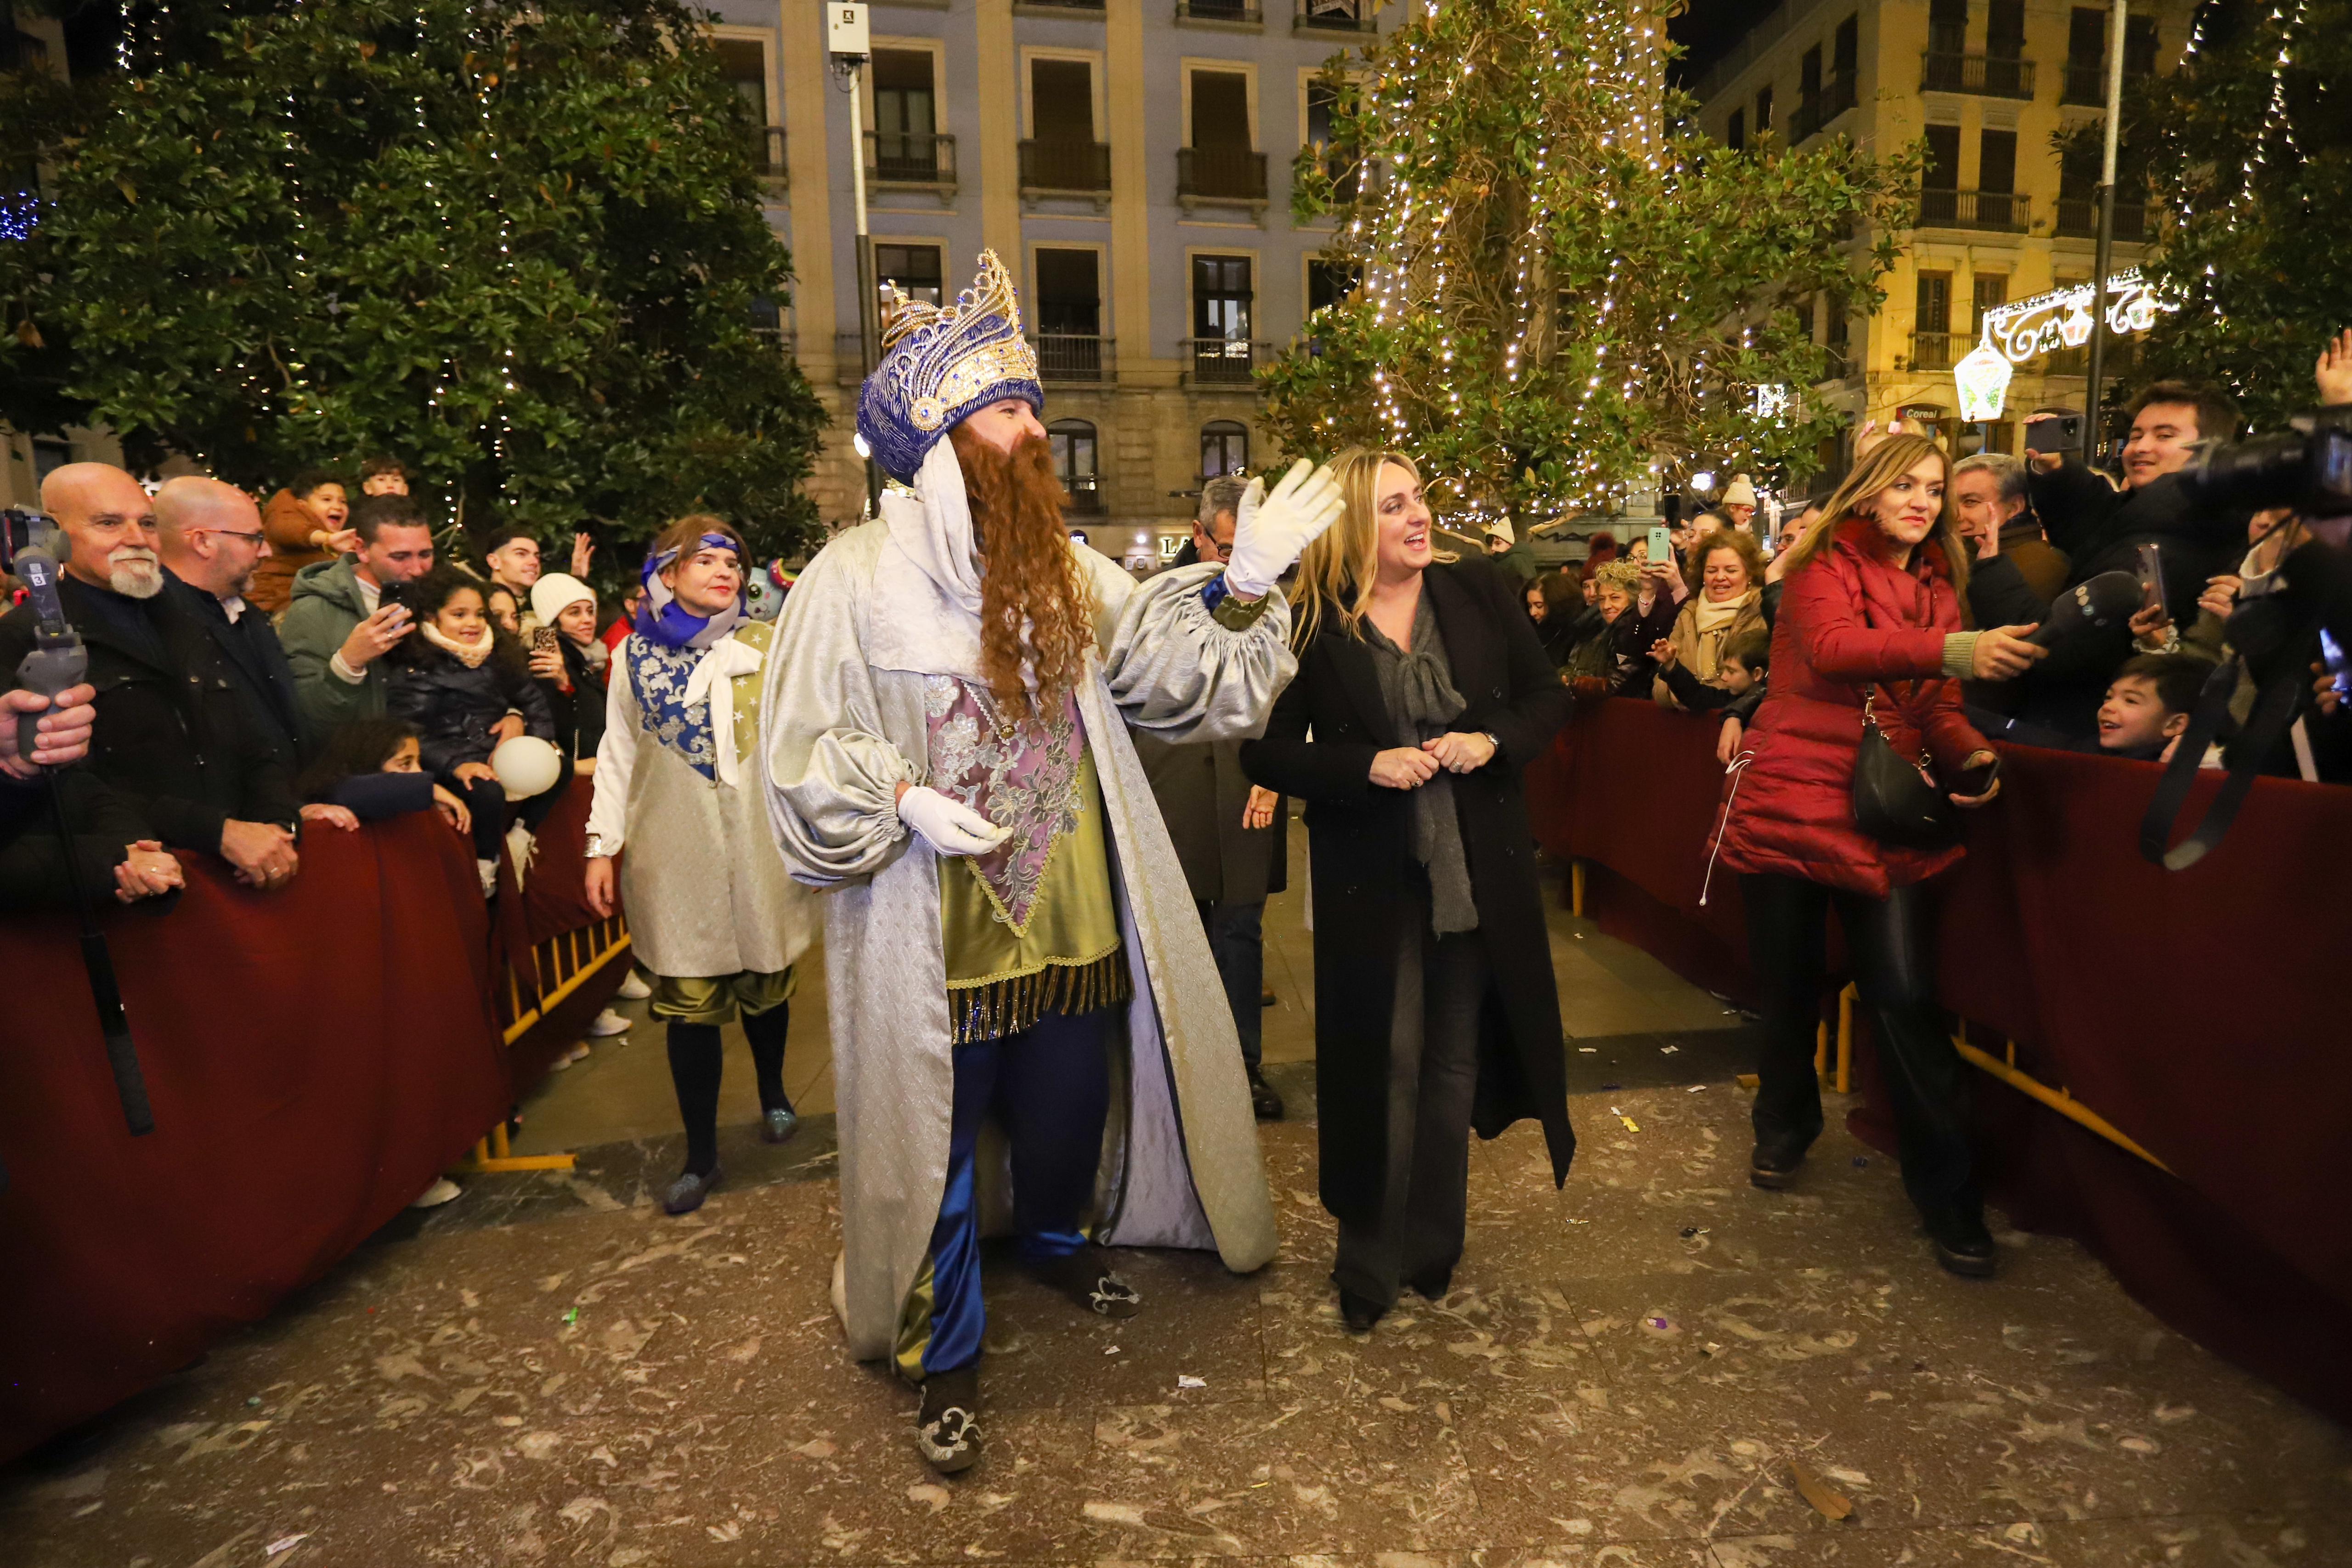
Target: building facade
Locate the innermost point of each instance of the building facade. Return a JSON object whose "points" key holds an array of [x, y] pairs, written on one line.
{"points": [[1130, 161], [1993, 87]]}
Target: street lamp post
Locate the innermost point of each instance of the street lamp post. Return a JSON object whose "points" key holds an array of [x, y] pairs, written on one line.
{"points": [[848, 40], [2092, 424]]}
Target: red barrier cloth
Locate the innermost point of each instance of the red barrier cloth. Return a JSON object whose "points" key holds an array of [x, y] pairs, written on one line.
{"points": [[315, 1057], [2194, 1010]]}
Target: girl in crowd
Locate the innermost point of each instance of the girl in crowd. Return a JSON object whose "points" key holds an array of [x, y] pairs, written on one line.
{"points": [[1869, 633], [1426, 692], [1556, 605], [571, 664], [466, 687], [1726, 608], [505, 612], [713, 913], [373, 767]]}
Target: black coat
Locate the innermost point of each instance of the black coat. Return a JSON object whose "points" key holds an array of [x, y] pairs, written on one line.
{"points": [[1202, 790], [33, 870], [257, 663], [174, 733], [1360, 848], [579, 713], [454, 707]]}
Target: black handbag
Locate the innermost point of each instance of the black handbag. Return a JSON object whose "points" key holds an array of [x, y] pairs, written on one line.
{"points": [[1896, 799]]}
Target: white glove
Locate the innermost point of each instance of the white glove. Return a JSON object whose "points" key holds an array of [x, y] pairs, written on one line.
{"points": [[949, 827], [1269, 531]]}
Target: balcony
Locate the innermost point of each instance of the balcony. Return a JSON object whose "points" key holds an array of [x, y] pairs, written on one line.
{"points": [[1334, 17], [1814, 114], [1066, 167], [1230, 13], [1979, 76], [1073, 357], [1084, 491], [1224, 362], [1232, 175], [1998, 211], [1093, 7], [2078, 218], [910, 160], [768, 154], [1937, 351], [2086, 81]]}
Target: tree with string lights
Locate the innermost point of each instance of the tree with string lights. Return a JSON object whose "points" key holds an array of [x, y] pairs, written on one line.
{"points": [[517, 244], [2252, 168], [1564, 287]]}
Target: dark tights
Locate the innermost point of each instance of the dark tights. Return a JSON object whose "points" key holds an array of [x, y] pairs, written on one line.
{"points": [[696, 1061], [1888, 943]]}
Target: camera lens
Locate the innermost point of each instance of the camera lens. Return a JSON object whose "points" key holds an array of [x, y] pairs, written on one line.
{"points": [[2268, 471]]}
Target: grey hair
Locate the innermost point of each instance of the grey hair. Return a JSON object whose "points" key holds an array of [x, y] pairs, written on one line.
{"points": [[2008, 471], [1221, 495]]}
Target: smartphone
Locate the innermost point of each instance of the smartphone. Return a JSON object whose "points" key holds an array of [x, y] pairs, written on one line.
{"points": [[1662, 545], [2152, 577], [542, 639], [1674, 509], [2331, 658], [2061, 433]]}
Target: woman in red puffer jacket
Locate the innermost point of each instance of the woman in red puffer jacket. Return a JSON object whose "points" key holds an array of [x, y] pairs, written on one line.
{"points": [[1871, 610]]}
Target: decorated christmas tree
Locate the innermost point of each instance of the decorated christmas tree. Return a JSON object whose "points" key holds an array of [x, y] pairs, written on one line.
{"points": [[1563, 286], [2252, 164]]}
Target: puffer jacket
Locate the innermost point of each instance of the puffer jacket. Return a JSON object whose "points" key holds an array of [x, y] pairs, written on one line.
{"points": [[453, 708], [1851, 621]]}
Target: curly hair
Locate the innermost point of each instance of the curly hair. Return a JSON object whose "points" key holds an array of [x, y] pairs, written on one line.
{"points": [[1036, 610]]}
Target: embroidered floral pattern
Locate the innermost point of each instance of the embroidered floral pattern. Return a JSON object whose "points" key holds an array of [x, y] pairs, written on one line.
{"points": [[1022, 775], [659, 677]]}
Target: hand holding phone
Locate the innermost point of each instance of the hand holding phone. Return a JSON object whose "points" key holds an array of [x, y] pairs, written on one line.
{"points": [[1661, 544], [2152, 577]]}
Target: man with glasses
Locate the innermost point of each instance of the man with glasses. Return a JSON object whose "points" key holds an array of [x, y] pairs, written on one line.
{"points": [[173, 734], [212, 539]]}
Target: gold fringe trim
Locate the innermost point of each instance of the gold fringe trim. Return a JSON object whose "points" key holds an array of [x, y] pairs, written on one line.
{"points": [[999, 1007]]}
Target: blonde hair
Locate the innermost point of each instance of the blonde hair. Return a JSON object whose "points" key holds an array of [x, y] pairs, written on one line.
{"points": [[1339, 568], [1875, 471]]}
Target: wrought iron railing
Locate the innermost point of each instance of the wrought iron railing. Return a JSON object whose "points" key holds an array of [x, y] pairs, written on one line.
{"points": [[1980, 76], [1224, 362], [1073, 357], [1936, 350], [1335, 16], [910, 158], [1813, 114], [2078, 218], [2000, 211], [1220, 175], [1243, 11], [1064, 163]]}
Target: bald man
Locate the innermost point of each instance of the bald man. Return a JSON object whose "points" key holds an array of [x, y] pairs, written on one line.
{"points": [[211, 540], [173, 733]]}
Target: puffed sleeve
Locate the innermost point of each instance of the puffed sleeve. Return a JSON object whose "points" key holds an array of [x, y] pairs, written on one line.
{"points": [[831, 775], [1180, 675]]}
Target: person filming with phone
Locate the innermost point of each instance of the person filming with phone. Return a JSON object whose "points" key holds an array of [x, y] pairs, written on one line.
{"points": [[1845, 797], [339, 625]]}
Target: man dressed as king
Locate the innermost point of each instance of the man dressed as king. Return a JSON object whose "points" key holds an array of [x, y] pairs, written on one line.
{"points": [[1010, 939]]}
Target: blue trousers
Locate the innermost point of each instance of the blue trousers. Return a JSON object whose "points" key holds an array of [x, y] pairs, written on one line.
{"points": [[1049, 1088]]}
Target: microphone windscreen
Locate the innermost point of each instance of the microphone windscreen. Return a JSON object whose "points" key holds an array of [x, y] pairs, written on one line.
{"points": [[2103, 601]]}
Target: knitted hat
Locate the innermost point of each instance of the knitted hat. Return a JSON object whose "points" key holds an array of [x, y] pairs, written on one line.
{"points": [[941, 366], [1500, 528], [554, 593], [1739, 492]]}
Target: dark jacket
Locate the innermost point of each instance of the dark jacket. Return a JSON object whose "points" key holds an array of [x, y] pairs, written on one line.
{"points": [[2016, 586], [578, 708], [174, 733], [33, 871], [1201, 790], [1366, 898], [1851, 623], [2101, 528], [453, 708], [257, 662]]}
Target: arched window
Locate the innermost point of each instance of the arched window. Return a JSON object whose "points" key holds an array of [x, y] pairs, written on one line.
{"points": [[1073, 443], [1224, 449]]}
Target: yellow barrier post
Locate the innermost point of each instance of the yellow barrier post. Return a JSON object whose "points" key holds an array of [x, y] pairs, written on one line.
{"points": [[1576, 888], [1844, 1081]]}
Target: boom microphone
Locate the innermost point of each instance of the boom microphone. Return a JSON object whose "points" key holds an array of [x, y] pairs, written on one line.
{"points": [[2104, 600]]}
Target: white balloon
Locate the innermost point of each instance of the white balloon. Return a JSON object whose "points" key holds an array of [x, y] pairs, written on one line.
{"points": [[525, 766]]}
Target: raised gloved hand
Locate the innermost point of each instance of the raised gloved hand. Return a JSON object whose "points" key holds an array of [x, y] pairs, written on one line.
{"points": [[949, 827], [1270, 530]]}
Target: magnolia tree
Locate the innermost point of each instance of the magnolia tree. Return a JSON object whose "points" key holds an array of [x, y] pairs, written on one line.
{"points": [[518, 246], [1563, 286]]}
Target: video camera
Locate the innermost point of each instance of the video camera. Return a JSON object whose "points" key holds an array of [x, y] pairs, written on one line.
{"points": [[2307, 468]]}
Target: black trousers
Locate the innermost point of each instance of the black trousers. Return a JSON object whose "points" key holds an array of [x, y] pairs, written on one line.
{"points": [[1893, 953]]}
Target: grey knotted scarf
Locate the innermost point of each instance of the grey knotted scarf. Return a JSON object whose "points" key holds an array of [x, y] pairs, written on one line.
{"points": [[1418, 688]]}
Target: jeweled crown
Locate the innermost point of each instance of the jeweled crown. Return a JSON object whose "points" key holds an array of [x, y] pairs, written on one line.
{"points": [[940, 363]]}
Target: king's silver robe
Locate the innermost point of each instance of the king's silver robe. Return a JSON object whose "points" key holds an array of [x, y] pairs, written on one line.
{"points": [[843, 724]]}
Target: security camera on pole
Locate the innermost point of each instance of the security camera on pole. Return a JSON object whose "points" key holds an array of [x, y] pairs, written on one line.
{"points": [[847, 39]]}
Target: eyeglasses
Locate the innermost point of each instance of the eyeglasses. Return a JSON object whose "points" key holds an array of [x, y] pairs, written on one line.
{"points": [[232, 534]]}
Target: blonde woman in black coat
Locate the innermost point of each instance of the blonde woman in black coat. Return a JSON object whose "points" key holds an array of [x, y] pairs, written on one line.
{"points": [[1427, 692]]}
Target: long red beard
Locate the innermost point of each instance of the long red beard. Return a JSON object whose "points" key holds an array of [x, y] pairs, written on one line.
{"points": [[1035, 610]]}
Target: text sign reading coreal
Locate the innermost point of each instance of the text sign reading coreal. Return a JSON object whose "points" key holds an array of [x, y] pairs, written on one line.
{"points": [[845, 28]]}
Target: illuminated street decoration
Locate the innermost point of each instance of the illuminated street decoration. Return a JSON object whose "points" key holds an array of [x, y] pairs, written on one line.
{"points": [[2031, 328]]}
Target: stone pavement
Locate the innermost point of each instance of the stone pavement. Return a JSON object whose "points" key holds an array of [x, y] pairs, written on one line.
{"points": [[551, 1372]]}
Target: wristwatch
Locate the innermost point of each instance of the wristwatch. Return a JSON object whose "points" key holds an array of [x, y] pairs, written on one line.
{"points": [[1494, 740]]}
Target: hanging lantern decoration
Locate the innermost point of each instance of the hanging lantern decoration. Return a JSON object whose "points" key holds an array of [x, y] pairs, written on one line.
{"points": [[1982, 377]]}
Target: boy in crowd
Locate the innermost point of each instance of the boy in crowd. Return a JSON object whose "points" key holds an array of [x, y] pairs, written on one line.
{"points": [[1743, 668], [2148, 703]]}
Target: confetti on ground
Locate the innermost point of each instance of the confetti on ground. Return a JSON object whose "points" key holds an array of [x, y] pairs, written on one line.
{"points": [[572, 1316], [1811, 1486], [1630, 1126], [285, 1543], [1694, 1088], [1186, 1380], [1589, 1049], [1112, 1350], [1668, 1050]]}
